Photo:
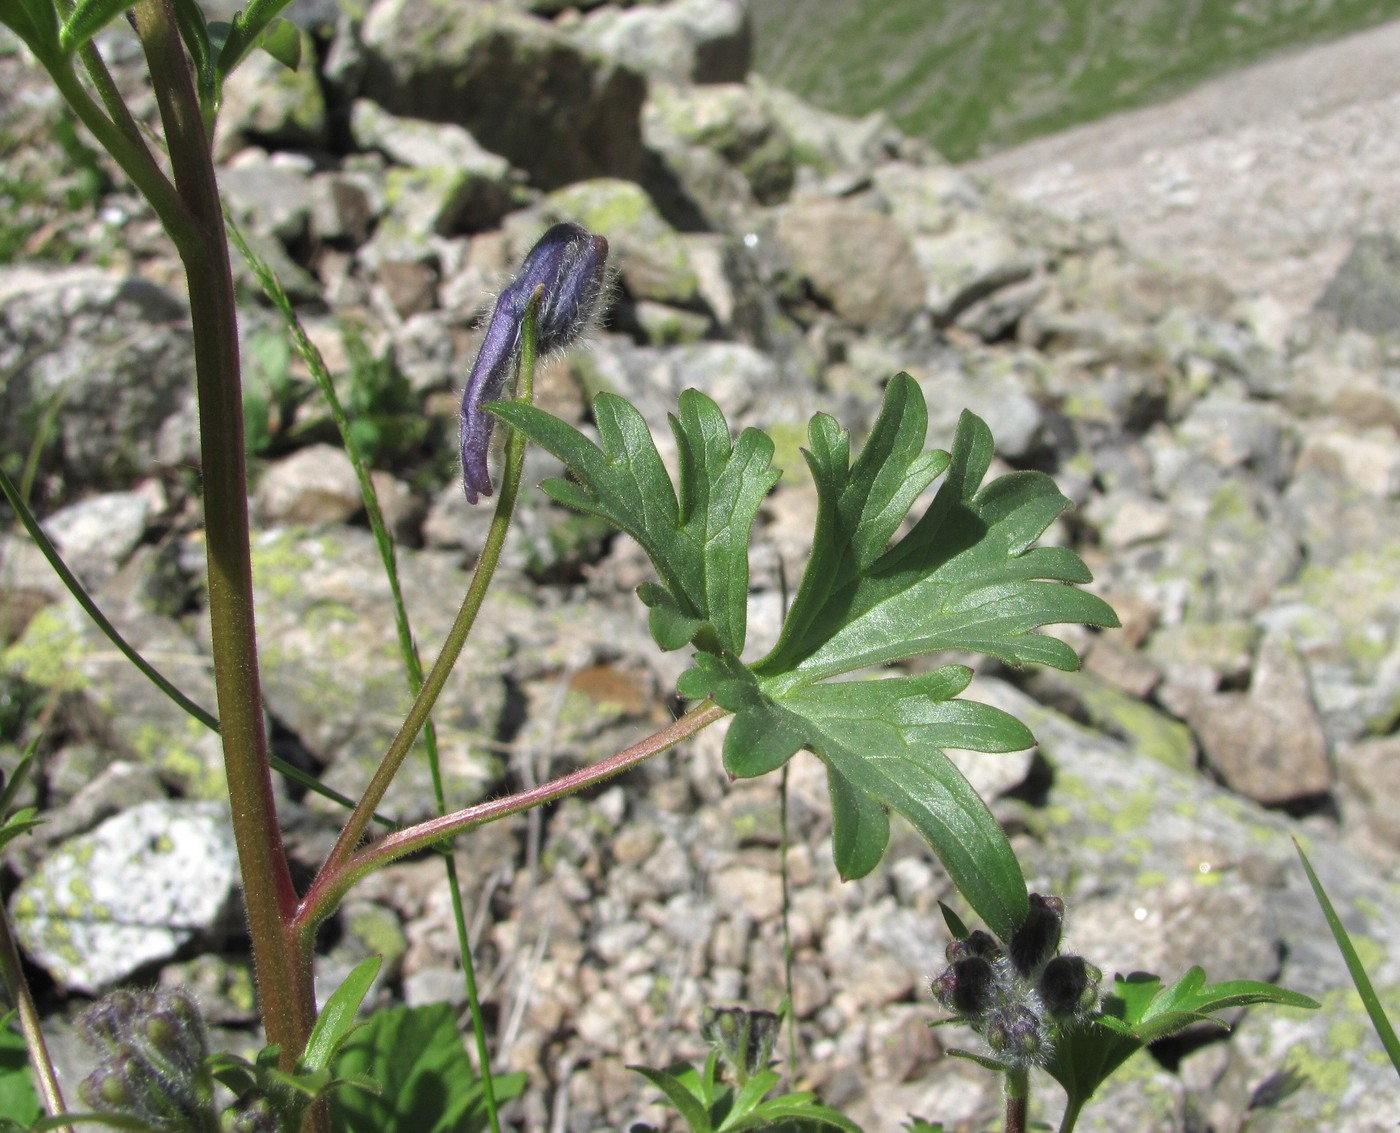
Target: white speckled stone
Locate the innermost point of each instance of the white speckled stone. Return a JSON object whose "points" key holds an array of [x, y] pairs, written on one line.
{"points": [[130, 893]]}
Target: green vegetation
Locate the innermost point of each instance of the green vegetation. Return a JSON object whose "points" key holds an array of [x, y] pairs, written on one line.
{"points": [[972, 76]]}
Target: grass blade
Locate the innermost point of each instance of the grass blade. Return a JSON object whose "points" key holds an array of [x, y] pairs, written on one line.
{"points": [[1369, 999]]}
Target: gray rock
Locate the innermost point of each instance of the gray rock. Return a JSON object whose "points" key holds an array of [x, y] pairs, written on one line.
{"points": [[108, 351], [344, 206], [96, 535], [855, 259], [684, 41], [131, 893], [105, 699], [832, 145], [1367, 771], [332, 674], [1365, 292], [570, 114], [473, 187], [734, 121], [268, 195], [316, 484], [651, 258]]}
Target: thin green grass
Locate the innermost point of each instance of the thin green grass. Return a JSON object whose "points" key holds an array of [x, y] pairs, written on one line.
{"points": [[1369, 999]]}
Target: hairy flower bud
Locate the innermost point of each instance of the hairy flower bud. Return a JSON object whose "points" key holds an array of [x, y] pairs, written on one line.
{"points": [[977, 943], [967, 987], [1015, 1032], [1038, 936], [569, 263], [1069, 986], [744, 1039], [155, 1044]]}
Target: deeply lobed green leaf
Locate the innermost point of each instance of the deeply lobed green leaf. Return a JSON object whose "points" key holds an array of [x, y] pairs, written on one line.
{"points": [[966, 576]]}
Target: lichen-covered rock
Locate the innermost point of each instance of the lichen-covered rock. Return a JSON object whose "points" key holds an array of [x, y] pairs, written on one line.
{"points": [[105, 699], [732, 120], [109, 351], [569, 115], [855, 259], [131, 893], [683, 41], [651, 258]]}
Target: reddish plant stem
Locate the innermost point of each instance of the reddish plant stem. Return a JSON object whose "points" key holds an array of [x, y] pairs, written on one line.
{"points": [[331, 885], [283, 975]]}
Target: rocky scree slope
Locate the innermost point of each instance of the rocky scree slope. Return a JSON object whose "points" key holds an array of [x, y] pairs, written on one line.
{"points": [[1238, 496]]}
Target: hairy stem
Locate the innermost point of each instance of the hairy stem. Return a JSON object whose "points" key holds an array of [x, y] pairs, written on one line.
{"points": [[1018, 1097], [283, 975]]}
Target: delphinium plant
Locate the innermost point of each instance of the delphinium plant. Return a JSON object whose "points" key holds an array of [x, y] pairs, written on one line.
{"points": [[966, 575]]}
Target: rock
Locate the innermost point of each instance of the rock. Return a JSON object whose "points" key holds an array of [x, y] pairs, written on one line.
{"points": [[684, 41], [133, 892], [1367, 771], [855, 259], [1367, 459], [95, 536], [316, 484], [474, 186], [1365, 292], [270, 195], [833, 145], [71, 337], [343, 207], [332, 675], [106, 700], [734, 121], [570, 115], [652, 260], [1267, 744], [266, 103]]}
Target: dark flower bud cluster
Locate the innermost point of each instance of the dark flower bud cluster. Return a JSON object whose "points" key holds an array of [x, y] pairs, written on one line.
{"points": [[1016, 997], [569, 264], [155, 1046], [745, 1039]]}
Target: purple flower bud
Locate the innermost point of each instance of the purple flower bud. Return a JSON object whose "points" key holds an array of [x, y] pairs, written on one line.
{"points": [[1038, 936], [569, 264]]}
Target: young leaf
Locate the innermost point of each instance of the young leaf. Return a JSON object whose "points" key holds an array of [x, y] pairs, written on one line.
{"points": [[1140, 1012], [337, 1018], [674, 1083], [429, 1084], [696, 533], [1379, 1020]]}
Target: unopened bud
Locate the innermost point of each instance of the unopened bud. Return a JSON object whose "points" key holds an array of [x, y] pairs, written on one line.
{"points": [[1069, 986], [1038, 937], [745, 1039], [1014, 1031], [977, 943], [966, 987], [569, 264]]}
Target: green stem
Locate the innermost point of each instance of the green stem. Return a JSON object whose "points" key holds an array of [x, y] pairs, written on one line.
{"points": [[29, 1022], [436, 680], [129, 152], [1071, 1116], [283, 973]]}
